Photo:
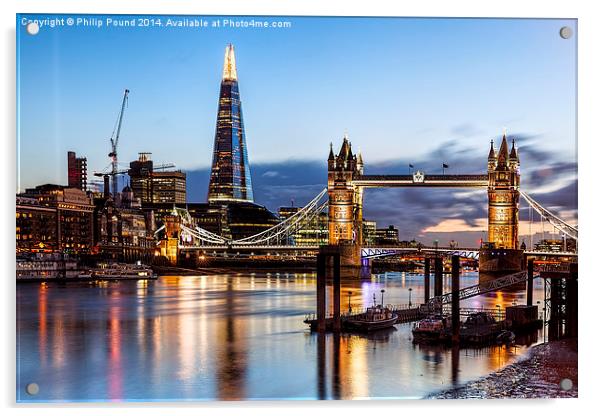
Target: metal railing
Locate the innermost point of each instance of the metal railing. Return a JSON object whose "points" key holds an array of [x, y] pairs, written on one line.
{"points": [[479, 289], [554, 267]]}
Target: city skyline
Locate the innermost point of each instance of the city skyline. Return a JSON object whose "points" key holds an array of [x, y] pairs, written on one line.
{"points": [[541, 120]]}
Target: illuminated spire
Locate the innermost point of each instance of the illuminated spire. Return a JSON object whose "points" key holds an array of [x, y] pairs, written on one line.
{"points": [[344, 148], [349, 153], [229, 65], [513, 152], [502, 158], [331, 155], [491, 151]]}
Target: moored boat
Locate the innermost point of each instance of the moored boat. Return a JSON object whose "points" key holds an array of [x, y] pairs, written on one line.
{"points": [[375, 318], [431, 329], [119, 271], [505, 337], [477, 319]]}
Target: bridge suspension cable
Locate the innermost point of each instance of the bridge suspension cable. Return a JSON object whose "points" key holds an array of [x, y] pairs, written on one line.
{"points": [[203, 235], [558, 223], [273, 235], [288, 226]]}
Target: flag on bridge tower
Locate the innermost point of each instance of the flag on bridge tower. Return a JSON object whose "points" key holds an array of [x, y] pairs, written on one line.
{"points": [[445, 166]]}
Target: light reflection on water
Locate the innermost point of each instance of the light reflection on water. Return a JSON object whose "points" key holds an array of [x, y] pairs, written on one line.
{"points": [[231, 337]]}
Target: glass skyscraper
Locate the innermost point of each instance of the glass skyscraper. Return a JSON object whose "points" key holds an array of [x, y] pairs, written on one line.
{"points": [[230, 174]]}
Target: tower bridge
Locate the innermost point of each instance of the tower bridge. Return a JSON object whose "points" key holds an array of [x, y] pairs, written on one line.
{"points": [[343, 198], [346, 184]]}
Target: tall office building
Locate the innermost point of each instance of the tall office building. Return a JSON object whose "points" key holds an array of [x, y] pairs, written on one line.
{"points": [[169, 187], [230, 174], [156, 187], [77, 171], [369, 232], [389, 235], [141, 177]]}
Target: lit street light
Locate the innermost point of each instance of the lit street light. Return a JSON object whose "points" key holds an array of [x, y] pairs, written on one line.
{"points": [[382, 297], [410, 300], [499, 312], [349, 293]]}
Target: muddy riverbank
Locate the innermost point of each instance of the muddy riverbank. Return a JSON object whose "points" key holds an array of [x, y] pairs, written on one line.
{"points": [[544, 373]]}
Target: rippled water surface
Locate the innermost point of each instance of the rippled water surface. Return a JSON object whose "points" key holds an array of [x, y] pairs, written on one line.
{"points": [[231, 337]]}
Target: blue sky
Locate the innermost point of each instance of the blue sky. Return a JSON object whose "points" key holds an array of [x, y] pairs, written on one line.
{"points": [[405, 90]]}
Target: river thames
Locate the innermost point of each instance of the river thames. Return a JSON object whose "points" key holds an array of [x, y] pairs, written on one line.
{"points": [[236, 336]]}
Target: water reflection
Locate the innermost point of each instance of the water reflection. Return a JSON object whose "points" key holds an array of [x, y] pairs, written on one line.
{"points": [[231, 357], [231, 337]]}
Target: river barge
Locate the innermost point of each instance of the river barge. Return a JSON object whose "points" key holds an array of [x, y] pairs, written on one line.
{"points": [[119, 271]]}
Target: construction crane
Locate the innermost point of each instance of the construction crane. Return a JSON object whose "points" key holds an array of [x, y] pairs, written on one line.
{"points": [[115, 142], [98, 184], [127, 171]]}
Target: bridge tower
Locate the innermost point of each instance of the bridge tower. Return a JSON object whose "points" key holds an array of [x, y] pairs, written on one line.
{"points": [[345, 202], [504, 179], [502, 255], [169, 245]]}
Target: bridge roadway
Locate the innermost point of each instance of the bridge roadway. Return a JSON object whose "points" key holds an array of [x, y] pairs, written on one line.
{"points": [[371, 252], [377, 181]]}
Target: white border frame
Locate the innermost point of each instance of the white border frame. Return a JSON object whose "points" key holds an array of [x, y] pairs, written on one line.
{"points": [[589, 127]]}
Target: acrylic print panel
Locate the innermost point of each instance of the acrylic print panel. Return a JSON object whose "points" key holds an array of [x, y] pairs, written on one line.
{"points": [[170, 249]]}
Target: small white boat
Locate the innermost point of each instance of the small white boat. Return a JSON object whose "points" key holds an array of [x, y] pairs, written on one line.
{"points": [[119, 271], [375, 318]]}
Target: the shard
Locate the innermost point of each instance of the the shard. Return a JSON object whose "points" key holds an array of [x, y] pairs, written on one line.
{"points": [[230, 174]]}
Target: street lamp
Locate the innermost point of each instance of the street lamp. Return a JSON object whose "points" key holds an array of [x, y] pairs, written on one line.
{"points": [[436, 244], [382, 297], [499, 312], [410, 297], [349, 293]]}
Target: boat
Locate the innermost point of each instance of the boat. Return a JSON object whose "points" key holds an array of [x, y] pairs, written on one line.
{"points": [[505, 337], [375, 318], [478, 319], [431, 329], [119, 271]]}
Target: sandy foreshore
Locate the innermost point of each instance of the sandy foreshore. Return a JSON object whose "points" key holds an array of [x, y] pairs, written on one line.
{"points": [[538, 375]]}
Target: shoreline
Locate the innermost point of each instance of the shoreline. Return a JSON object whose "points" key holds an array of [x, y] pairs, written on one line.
{"points": [[535, 376]]}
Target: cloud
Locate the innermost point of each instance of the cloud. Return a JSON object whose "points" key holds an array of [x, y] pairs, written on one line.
{"points": [[270, 174], [466, 130], [457, 225]]}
